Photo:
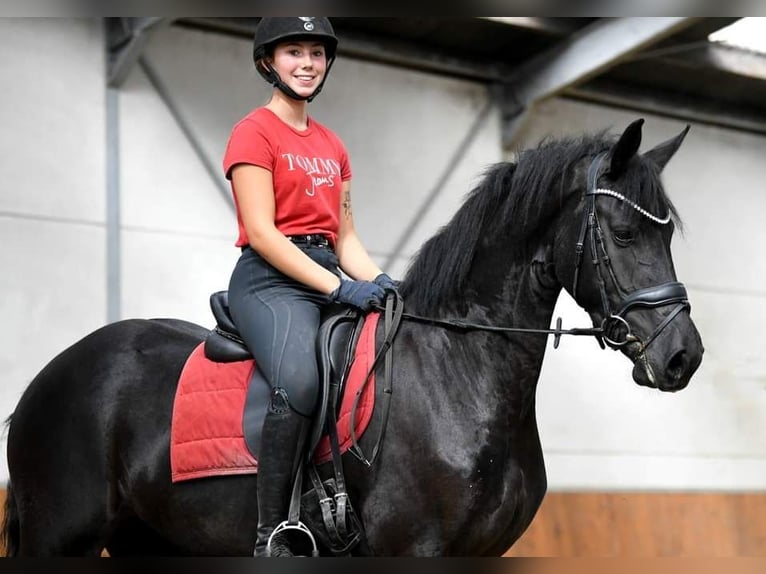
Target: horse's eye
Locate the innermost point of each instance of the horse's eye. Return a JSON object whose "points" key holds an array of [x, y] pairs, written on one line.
{"points": [[623, 237]]}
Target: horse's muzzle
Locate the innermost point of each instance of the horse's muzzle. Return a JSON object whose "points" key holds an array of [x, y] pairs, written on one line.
{"points": [[668, 373]]}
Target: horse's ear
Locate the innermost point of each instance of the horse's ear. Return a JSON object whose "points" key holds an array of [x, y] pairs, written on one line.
{"points": [[626, 147], [662, 153]]}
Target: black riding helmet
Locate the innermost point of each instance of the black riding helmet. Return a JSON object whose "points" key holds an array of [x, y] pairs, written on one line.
{"points": [[271, 31]]}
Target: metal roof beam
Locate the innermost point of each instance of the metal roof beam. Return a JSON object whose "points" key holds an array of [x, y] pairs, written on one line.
{"points": [[683, 107], [551, 26], [379, 49], [410, 55], [723, 58], [585, 54], [125, 40]]}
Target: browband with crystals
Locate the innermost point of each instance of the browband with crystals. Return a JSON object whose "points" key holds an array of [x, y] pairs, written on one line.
{"points": [[621, 197]]}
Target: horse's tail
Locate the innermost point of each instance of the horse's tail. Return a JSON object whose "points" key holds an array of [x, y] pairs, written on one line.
{"points": [[9, 535], [9, 532]]}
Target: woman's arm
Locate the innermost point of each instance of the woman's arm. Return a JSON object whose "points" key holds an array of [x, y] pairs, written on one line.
{"points": [[353, 257], [254, 188]]}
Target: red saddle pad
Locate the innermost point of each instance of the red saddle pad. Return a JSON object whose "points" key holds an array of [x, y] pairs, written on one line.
{"points": [[206, 437]]}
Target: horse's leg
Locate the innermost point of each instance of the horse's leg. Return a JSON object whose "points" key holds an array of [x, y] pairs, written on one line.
{"points": [[133, 538], [59, 474], [56, 522]]}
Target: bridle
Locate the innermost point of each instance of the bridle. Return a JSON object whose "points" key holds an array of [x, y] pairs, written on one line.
{"points": [[671, 293]]}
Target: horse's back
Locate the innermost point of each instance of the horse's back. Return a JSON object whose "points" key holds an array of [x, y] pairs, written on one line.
{"points": [[102, 362]]}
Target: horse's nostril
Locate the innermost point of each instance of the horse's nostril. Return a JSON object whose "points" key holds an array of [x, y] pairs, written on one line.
{"points": [[676, 365]]}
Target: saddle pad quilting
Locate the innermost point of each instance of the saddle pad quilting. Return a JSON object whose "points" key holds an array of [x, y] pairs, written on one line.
{"points": [[206, 436], [206, 431]]}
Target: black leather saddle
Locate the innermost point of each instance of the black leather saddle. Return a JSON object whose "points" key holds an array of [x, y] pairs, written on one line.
{"points": [[335, 345]]}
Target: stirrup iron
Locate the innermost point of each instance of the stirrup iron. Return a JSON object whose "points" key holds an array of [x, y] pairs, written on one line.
{"points": [[300, 527]]}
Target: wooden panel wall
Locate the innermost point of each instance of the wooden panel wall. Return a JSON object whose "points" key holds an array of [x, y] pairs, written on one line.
{"points": [[642, 525], [646, 525]]}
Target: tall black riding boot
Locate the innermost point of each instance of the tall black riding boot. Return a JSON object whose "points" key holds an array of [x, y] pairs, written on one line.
{"points": [[282, 441]]}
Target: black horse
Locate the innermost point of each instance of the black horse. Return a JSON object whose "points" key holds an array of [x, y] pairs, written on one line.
{"points": [[461, 468]]}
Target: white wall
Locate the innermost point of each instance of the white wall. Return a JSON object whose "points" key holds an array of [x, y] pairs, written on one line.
{"points": [[599, 430], [52, 200]]}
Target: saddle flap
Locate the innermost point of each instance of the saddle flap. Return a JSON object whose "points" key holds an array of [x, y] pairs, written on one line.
{"points": [[335, 344], [338, 348], [336, 341]]}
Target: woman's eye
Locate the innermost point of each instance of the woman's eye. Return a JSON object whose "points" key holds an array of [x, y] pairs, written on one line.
{"points": [[623, 237]]}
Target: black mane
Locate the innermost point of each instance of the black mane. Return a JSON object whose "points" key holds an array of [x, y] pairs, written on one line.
{"points": [[513, 200]]}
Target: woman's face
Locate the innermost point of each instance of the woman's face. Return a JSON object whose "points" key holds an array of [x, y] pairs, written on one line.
{"points": [[300, 65]]}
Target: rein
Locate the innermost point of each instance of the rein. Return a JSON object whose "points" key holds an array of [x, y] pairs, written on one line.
{"points": [[467, 326], [393, 313]]}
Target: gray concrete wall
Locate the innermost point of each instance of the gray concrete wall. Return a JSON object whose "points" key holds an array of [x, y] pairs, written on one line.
{"points": [[402, 128]]}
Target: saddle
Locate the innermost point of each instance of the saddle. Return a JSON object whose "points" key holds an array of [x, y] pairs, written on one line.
{"points": [[336, 340], [324, 505]]}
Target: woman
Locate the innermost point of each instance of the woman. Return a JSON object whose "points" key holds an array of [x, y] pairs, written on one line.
{"points": [[291, 179]]}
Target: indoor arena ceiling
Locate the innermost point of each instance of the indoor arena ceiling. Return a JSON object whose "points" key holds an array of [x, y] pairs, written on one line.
{"points": [[658, 65]]}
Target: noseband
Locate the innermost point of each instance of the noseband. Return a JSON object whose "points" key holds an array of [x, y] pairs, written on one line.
{"points": [[662, 295]]}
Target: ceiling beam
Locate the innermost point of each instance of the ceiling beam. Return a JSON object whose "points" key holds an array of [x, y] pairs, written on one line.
{"points": [[722, 58], [673, 105], [587, 53], [410, 54], [550, 26], [125, 40], [379, 49]]}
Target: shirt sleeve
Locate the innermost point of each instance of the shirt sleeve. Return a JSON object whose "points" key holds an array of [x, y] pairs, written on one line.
{"points": [[345, 164], [248, 144]]}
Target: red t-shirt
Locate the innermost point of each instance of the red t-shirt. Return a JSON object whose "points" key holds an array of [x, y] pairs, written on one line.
{"points": [[307, 166]]}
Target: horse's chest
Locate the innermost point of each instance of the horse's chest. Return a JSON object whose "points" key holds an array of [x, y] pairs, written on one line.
{"points": [[504, 496]]}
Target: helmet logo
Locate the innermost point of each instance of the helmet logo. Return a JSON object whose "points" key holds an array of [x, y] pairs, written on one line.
{"points": [[308, 25]]}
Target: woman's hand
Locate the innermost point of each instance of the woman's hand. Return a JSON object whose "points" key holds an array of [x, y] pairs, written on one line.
{"points": [[386, 283], [362, 294]]}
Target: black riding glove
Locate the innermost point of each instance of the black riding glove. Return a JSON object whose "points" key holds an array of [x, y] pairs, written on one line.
{"points": [[361, 294]]}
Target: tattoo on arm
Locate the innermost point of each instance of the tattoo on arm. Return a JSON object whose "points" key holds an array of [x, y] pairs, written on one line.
{"points": [[347, 204]]}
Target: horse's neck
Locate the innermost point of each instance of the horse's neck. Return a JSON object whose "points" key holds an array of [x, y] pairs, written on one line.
{"points": [[514, 293], [500, 292]]}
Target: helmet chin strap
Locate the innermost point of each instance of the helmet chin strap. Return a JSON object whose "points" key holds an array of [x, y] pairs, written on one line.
{"points": [[277, 82]]}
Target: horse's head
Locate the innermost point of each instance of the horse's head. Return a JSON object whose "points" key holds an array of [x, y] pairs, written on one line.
{"points": [[614, 258]]}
